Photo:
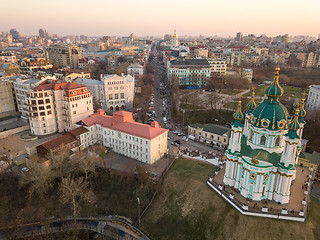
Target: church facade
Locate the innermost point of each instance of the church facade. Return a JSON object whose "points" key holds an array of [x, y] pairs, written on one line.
{"points": [[263, 152]]}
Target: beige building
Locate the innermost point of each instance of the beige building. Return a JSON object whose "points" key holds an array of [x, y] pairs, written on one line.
{"points": [[56, 107], [65, 55], [119, 91], [244, 73], [218, 67], [23, 87], [120, 132], [210, 133], [28, 66], [7, 97]]}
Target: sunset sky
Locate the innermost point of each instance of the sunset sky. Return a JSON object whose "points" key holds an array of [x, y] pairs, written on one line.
{"points": [[150, 17]]}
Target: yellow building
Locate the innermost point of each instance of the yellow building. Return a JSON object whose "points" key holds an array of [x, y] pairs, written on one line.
{"points": [[309, 160], [210, 133]]}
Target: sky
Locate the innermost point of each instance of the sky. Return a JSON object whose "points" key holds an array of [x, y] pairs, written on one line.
{"points": [[156, 18]]}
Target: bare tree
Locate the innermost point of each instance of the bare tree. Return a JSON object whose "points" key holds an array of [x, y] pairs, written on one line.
{"points": [[39, 179], [86, 164], [212, 99], [74, 192], [10, 150]]}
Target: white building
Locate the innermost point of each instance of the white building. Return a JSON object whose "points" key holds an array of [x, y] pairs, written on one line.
{"points": [[22, 88], [119, 91], [313, 100], [120, 132], [56, 107], [135, 69]]}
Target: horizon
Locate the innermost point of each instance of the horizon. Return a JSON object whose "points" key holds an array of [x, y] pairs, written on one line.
{"points": [[143, 18]]}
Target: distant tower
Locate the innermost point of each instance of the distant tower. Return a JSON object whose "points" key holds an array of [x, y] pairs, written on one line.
{"points": [[239, 37], [42, 33], [175, 42]]}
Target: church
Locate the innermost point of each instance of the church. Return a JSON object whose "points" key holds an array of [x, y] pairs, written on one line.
{"points": [[263, 152]]}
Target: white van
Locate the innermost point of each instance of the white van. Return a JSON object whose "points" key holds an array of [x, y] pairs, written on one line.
{"points": [[164, 120], [192, 137]]}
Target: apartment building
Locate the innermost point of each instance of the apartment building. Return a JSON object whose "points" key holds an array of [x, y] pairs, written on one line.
{"points": [[145, 143], [313, 100], [7, 57], [135, 69], [30, 65], [7, 98], [56, 107], [309, 59], [218, 67], [23, 87], [189, 73], [65, 55]]}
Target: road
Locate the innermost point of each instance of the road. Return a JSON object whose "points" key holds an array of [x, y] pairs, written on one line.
{"points": [[161, 108]]}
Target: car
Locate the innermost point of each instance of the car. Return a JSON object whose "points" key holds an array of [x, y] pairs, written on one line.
{"points": [[169, 138], [25, 169]]}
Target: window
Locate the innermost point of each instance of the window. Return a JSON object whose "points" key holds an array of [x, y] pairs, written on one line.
{"points": [[40, 101], [47, 100], [110, 96], [116, 96], [263, 140], [277, 142], [122, 95], [251, 135]]}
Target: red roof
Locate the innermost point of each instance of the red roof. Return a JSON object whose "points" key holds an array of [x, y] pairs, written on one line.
{"points": [[122, 121], [63, 86]]}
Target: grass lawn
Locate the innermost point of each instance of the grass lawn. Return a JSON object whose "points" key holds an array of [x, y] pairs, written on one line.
{"points": [[187, 208], [189, 106], [209, 116], [295, 92]]}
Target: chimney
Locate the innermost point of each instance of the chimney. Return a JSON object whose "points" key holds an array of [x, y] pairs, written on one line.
{"points": [[155, 124]]}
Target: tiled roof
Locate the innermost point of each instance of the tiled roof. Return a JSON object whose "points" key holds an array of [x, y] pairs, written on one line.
{"points": [[122, 121], [77, 88]]}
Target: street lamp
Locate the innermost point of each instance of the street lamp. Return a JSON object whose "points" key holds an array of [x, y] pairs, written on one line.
{"points": [[138, 211]]}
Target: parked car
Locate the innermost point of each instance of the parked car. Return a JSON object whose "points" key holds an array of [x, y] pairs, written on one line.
{"points": [[25, 169]]}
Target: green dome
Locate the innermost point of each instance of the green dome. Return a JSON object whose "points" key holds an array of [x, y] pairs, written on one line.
{"points": [[238, 116], [275, 90], [270, 114], [294, 126]]}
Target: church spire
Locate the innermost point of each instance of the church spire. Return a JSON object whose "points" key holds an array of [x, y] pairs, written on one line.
{"points": [[294, 125], [302, 111], [238, 115], [275, 90], [252, 104]]}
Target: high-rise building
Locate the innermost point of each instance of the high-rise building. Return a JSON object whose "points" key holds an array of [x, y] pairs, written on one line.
{"points": [[65, 55], [43, 33], [313, 100], [239, 37], [56, 107], [15, 34]]}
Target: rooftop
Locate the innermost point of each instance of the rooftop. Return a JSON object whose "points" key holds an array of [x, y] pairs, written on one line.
{"points": [[186, 62], [122, 121], [212, 128]]}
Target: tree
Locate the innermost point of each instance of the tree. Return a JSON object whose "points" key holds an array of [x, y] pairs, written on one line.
{"points": [[39, 179], [212, 99], [75, 191], [87, 164], [10, 150], [293, 61]]}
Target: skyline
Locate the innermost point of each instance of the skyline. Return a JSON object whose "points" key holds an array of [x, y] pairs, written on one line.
{"points": [[153, 19]]}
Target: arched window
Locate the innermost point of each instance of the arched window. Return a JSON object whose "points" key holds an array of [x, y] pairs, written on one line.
{"points": [[263, 140], [277, 142], [251, 135]]}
